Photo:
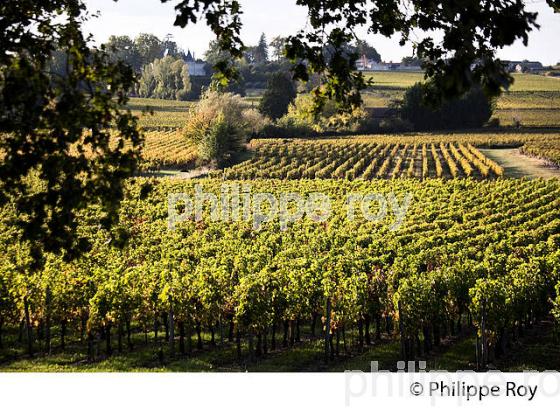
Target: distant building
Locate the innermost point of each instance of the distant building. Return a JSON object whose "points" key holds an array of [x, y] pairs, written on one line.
{"points": [[197, 68], [363, 64], [523, 66]]}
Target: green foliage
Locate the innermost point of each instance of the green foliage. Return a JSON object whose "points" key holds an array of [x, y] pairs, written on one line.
{"points": [[411, 61], [280, 93], [365, 49], [55, 131], [260, 54], [143, 50], [220, 142], [473, 110], [449, 61], [165, 79], [278, 45], [493, 254], [302, 114], [220, 125]]}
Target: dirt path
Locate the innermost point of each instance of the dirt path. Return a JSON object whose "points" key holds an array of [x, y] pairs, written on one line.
{"points": [[176, 174], [517, 165]]}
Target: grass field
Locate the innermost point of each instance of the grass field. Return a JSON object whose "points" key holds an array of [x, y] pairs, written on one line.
{"points": [[532, 101], [522, 82]]}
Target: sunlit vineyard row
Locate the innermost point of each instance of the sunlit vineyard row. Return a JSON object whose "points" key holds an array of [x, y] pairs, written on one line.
{"points": [[539, 118], [484, 254], [349, 160], [546, 150], [548, 100], [292, 159], [167, 149]]}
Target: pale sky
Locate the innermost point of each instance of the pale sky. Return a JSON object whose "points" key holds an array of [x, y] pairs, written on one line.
{"points": [[284, 17]]}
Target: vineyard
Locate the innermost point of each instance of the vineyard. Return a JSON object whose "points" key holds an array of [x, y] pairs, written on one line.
{"points": [[482, 254], [369, 157], [477, 258], [160, 115], [167, 149], [348, 160], [417, 156]]}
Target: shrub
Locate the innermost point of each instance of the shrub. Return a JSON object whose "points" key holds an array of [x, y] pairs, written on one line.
{"points": [[390, 125], [220, 125], [220, 142], [473, 110], [280, 93], [330, 120]]}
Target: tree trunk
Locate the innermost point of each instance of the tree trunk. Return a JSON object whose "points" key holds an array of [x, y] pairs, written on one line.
{"points": [[108, 347], [120, 331], [63, 335], [238, 343], [164, 320], [265, 341], [189, 337], [484, 345], [292, 333], [231, 329], [273, 337], [378, 327], [436, 333], [48, 297], [199, 336], [212, 336], [367, 323], [286, 332], [298, 331], [21, 329], [29, 329], [328, 349], [40, 333], [156, 327], [427, 339], [313, 324], [258, 349], [404, 347], [388, 325], [361, 334], [83, 323], [182, 338], [129, 336], [90, 352], [337, 342], [171, 327], [1, 325], [251, 347]]}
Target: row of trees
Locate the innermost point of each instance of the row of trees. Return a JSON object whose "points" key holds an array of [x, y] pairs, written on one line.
{"points": [[142, 50], [167, 78]]}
